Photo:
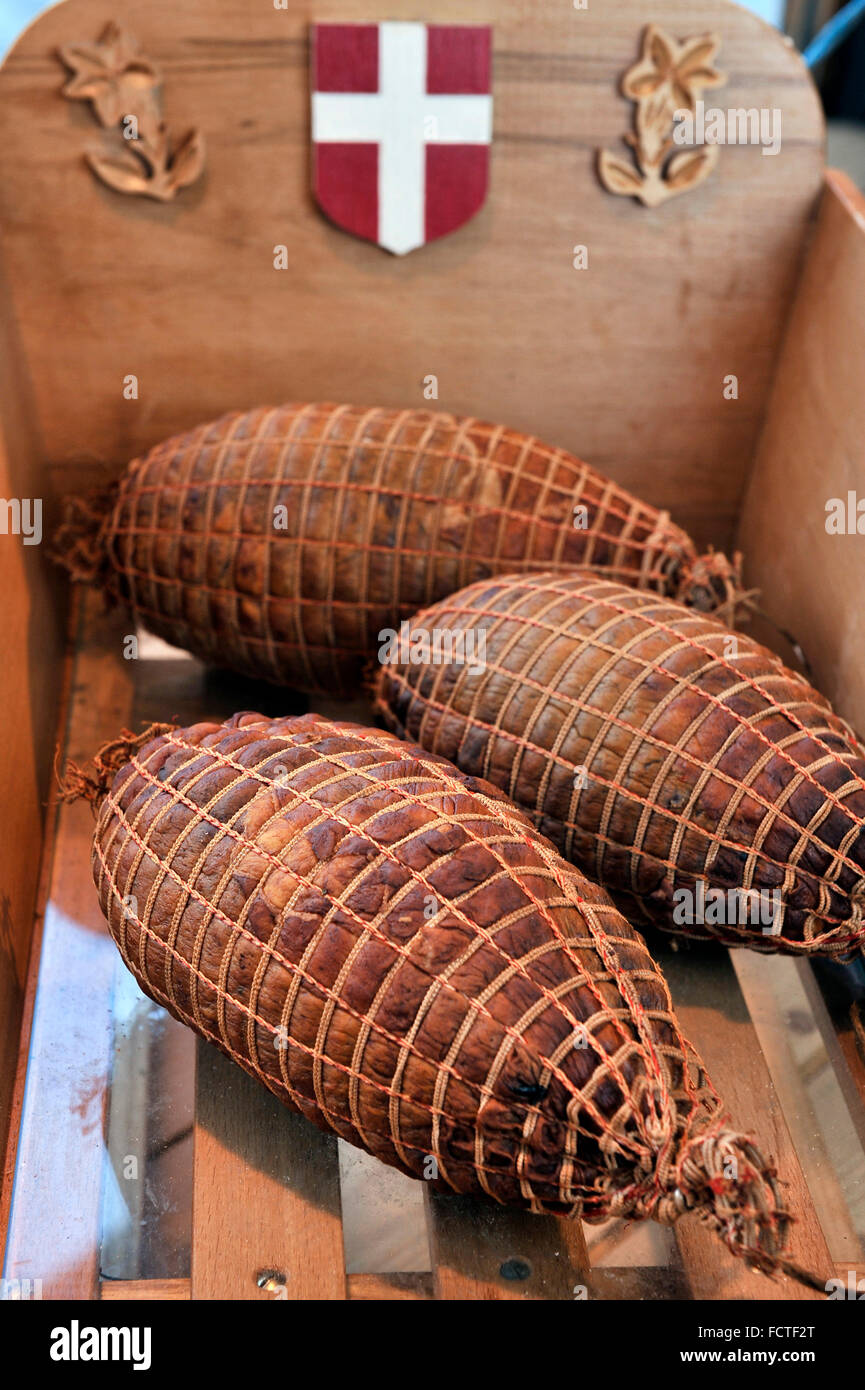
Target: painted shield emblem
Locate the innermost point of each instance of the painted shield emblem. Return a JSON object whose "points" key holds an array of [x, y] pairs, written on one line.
{"points": [[401, 124]]}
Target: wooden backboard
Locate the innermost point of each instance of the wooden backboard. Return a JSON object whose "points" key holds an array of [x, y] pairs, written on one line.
{"points": [[623, 362]]}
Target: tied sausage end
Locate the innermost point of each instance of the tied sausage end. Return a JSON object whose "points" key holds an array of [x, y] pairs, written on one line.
{"points": [[77, 785], [80, 543]]}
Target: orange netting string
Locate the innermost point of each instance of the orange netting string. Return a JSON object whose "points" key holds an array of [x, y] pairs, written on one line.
{"points": [[724, 1178], [80, 541], [76, 784], [713, 584]]}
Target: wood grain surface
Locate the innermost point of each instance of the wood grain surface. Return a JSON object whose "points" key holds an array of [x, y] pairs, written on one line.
{"points": [[623, 363], [715, 1018], [31, 677], [144, 1290], [266, 1194], [811, 451], [366, 1288]]}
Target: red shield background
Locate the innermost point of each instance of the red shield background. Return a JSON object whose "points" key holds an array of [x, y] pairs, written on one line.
{"points": [[402, 124]]}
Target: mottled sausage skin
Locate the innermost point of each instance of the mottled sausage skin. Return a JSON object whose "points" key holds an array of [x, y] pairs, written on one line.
{"points": [[281, 542], [673, 761], [394, 950]]}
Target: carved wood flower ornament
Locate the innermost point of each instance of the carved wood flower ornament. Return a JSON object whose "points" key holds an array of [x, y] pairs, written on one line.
{"points": [[683, 69], [667, 77], [123, 88], [112, 74]]}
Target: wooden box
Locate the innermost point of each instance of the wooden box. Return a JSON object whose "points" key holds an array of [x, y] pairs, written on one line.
{"points": [[130, 1172]]}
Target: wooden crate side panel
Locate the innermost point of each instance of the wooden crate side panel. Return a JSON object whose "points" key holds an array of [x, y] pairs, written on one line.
{"points": [[812, 451], [716, 1019], [54, 1223], [624, 362], [32, 626]]}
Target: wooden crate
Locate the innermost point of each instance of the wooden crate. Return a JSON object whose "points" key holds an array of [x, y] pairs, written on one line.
{"points": [[760, 273]]}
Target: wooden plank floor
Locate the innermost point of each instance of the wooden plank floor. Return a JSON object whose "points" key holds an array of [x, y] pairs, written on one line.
{"points": [[267, 1202], [481, 1251]]}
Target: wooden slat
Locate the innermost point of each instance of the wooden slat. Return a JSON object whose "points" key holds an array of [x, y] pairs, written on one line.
{"points": [[265, 1182], [623, 362], [824, 1113], [266, 1193], [143, 1290], [54, 1221], [714, 1016], [471, 1242], [849, 1067], [852, 1051], [365, 1288], [613, 1285], [402, 1287]]}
